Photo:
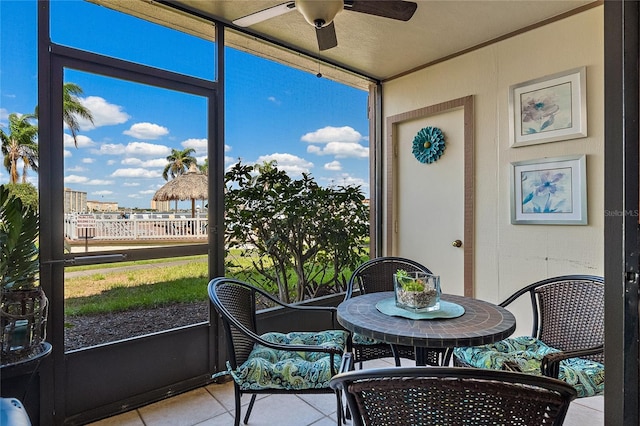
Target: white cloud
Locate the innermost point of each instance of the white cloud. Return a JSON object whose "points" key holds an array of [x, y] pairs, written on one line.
{"points": [[200, 160], [200, 145], [88, 160], [4, 114], [111, 162], [105, 192], [346, 179], [147, 191], [136, 173], [77, 169], [75, 179], [100, 182], [83, 141], [340, 150], [131, 184], [332, 134], [103, 113], [134, 196], [110, 149], [66, 153], [157, 162], [333, 166], [290, 163], [227, 148], [147, 149], [274, 100], [146, 131]]}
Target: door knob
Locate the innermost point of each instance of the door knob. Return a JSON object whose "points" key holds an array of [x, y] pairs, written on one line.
{"points": [[457, 243]]}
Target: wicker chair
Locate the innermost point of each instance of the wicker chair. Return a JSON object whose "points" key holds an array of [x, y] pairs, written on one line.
{"points": [[295, 362], [567, 340], [452, 396], [374, 276]]}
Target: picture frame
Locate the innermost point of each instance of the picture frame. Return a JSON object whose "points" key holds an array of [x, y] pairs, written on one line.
{"points": [[548, 109], [549, 191]]}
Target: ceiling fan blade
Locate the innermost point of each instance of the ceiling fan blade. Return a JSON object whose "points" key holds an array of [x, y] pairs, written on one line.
{"points": [[394, 9], [263, 15], [327, 37]]}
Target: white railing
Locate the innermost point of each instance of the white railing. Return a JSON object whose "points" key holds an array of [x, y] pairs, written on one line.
{"points": [[136, 227]]}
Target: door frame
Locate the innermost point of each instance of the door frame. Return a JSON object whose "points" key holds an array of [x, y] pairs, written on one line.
{"points": [[621, 215], [136, 371], [391, 154]]}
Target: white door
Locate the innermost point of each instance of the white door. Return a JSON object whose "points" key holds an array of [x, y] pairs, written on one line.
{"points": [[429, 200]]}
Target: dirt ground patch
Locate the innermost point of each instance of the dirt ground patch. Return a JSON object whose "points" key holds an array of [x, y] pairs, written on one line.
{"points": [[91, 330]]}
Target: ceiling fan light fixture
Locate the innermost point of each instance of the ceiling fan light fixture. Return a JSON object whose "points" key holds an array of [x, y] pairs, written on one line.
{"points": [[319, 13]]}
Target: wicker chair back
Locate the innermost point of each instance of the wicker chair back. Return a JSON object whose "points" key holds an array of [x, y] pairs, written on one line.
{"points": [[572, 313], [453, 396]]}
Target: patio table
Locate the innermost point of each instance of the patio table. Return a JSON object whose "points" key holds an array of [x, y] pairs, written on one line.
{"points": [[481, 323]]}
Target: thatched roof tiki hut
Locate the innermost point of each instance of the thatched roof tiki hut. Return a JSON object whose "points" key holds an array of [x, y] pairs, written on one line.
{"points": [[192, 185]]}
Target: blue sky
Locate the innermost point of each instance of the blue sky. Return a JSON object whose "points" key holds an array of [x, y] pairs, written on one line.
{"points": [[305, 123]]}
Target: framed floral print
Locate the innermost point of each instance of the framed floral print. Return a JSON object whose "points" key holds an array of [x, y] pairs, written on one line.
{"points": [[548, 109], [549, 191]]}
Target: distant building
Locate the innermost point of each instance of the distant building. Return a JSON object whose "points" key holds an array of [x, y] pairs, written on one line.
{"points": [[74, 201], [102, 206], [161, 206]]}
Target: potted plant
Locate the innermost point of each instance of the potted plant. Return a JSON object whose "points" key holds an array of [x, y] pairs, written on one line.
{"points": [[417, 291], [23, 304]]}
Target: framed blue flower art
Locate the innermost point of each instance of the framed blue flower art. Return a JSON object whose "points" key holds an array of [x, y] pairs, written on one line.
{"points": [[549, 191], [428, 145]]}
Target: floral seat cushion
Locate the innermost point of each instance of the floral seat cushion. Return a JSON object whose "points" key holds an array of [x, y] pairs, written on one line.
{"points": [[359, 339], [586, 376], [268, 368]]}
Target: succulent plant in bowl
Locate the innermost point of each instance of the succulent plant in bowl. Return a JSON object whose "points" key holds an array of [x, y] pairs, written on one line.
{"points": [[417, 291]]}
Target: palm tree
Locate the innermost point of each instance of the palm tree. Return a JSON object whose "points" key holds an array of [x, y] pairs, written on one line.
{"points": [[73, 108], [204, 168], [178, 162], [20, 143]]}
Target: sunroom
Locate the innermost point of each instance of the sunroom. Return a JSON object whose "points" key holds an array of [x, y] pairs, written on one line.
{"points": [[454, 66]]}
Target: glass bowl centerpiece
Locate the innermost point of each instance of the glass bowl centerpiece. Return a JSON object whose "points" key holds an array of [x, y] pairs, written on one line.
{"points": [[417, 291]]}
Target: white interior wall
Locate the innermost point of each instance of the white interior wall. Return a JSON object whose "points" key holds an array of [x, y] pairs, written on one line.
{"points": [[509, 256]]}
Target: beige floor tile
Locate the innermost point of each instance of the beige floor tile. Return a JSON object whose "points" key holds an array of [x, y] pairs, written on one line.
{"points": [[224, 419], [214, 406], [283, 410], [186, 409], [223, 393], [325, 403], [130, 418], [594, 402], [327, 421]]}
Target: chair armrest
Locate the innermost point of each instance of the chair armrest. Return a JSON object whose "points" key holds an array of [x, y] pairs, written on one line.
{"points": [[550, 365], [329, 309], [347, 362]]}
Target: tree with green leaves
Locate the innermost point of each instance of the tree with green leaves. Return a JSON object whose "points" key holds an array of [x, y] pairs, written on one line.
{"points": [[72, 108], [20, 144], [178, 162], [204, 168], [26, 192], [303, 239]]}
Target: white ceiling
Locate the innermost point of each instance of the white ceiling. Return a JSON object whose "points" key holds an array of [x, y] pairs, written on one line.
{"points": [[383, 48], [375, 47]]}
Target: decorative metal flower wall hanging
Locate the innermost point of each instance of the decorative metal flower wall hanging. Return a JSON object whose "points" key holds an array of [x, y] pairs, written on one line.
{"points": [[428, 145]]}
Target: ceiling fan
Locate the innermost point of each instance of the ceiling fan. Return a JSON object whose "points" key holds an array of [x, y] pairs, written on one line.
{"points": [[320, 14]]}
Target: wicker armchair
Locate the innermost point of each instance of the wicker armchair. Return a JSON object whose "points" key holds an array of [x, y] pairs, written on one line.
{"points": [[452, 396], [374, 276], [294, 362], [567, 340]]}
